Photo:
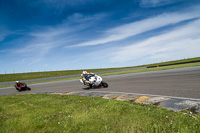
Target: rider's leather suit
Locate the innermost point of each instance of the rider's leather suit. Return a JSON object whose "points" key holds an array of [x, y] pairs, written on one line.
{"points": [[86, 78]]}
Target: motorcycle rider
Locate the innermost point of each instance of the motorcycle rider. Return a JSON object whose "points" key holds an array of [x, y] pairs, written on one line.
{"points": [[85, 78], [18, 85]]}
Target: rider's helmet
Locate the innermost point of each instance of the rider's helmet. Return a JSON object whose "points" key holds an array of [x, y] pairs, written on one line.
{"points": [[17, 82], [84, 73]]}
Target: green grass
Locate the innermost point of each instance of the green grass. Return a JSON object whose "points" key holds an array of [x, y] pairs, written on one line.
{"points": [[32, 113], [175, 62]]}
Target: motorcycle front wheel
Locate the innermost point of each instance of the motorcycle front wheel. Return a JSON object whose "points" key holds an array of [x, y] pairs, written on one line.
{"points": [[28, 88], [105, 85]]}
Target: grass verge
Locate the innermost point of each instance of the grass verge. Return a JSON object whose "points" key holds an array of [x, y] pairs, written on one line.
{"points": [[183, 61], [75, 114]]}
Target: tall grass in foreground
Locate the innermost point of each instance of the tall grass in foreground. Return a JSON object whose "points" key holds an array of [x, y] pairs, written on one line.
{"points": [[32, 113]]}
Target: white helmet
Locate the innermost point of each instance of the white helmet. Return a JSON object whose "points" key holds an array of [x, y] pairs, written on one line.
{"points": [[17, 81], [84, 72]]}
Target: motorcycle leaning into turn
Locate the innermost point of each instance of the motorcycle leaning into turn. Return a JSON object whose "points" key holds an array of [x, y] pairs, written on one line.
{"points": [[22, 86], [96, 81]]}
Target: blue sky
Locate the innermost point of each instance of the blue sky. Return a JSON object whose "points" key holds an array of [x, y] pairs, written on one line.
{"points": [[47, 35]]}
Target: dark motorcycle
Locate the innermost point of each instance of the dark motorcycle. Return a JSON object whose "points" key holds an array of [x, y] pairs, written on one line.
{"points": [[22, 86]]}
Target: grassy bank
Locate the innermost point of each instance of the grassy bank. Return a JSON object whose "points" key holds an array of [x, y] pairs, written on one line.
{"points": [[183, 61], [55, 113]]}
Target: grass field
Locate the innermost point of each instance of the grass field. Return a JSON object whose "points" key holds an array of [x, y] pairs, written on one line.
{"points": [[197, 59], [37, 75], [41, 113]]}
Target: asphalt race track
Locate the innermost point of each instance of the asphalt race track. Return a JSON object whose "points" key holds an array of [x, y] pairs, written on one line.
{"points": [[183, 82]]}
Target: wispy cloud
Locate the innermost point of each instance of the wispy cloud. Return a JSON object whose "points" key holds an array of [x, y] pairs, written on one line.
{"points": [[156, 3], [24, 59], [35, 61], [64, 3], [180, 42], [44, 40], [131, 29], [63, 6], [2, 51], [41, 42], [4, 32]]}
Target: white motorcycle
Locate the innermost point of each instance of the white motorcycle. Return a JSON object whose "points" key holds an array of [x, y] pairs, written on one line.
{"points": [[96, 81]]}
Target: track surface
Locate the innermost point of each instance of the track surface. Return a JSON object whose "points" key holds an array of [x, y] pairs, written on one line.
{"points": [[183, 82]]}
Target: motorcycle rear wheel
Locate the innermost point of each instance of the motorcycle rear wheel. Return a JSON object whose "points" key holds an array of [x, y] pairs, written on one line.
{"points": [[90, 86]]}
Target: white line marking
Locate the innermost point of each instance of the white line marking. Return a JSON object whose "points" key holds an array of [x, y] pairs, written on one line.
{"points": [[5, 88]]}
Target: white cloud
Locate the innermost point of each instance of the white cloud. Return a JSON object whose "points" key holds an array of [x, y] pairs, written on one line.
{"points": [[131, 29], [181, 42]]}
